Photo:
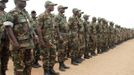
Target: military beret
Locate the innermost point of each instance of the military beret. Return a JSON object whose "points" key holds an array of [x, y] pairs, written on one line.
{"points": [[62, 7], [48, 3]]}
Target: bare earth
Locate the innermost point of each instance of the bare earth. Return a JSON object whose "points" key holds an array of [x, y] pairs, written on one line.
{"points": [[118, 61]]}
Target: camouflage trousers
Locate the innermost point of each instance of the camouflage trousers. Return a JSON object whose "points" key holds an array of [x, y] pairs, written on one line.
{"points": [[81, 46], [73, 46], [22, 60], [94, 42], [48, 57], [99, 42], [36, 53]]}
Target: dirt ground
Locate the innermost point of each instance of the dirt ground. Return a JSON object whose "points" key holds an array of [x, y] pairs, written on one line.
{"points": [[117, 61]]}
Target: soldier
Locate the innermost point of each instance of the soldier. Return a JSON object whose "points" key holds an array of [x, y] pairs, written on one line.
{"points": [[4, 41], [61, 26], [36, 51], [93, 36], [73, 36], [86, 36], [99, 36], [45, 30], [18, 27], [111, 35], [80, 38]]}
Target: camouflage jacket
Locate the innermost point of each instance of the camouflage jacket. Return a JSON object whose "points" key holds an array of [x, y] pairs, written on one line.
{"points": [[22, 27], [61, 23], [46, 21]]}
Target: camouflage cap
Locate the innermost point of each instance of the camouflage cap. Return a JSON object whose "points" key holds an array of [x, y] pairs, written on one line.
{"points": [[76, 10], [62, 7], [93, 18], [85, 15], [48, 3]]}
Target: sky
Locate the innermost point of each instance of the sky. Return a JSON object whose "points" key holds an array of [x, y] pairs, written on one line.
{"points": [[119, 11]]}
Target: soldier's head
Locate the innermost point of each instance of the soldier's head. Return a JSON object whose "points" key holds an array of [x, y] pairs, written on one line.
{"points": [[76, 11], [33, 14], [111, 24], [49, 5], [2, 4], [20, 3], [86, 17], [80, 13], [62, 8], [94, 19], [99, 19]]}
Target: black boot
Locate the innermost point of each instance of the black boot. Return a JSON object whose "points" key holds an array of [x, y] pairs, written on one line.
{"points": [[46, 72], [61, 66], [80, 60], [52, 71], [86, 56], [93, 53], [36, 64], [73, 61]]}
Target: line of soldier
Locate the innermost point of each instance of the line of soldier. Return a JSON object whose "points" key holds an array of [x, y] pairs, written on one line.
{"points": [[48, 34]]}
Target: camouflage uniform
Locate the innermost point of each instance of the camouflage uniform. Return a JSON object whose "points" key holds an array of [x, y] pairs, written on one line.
{"points": [[86, 36], [111, 34], [99, 35], [73, 36], [81, 40], [105, 35], [22, 57], [62, 40], [93, 36], [46, 22], [4, 43]]}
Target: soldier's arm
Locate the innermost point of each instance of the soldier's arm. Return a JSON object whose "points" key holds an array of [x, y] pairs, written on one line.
{"points": [[8, 24], [8, 27]]}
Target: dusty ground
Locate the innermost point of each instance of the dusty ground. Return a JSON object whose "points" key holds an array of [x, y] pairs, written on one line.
{"points": [[118, 61]]}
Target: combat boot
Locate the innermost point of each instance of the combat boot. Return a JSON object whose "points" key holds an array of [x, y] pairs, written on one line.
{"points": [[46, 72], [61, 66], [36, 64], [52, 71], [73, 61]]}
